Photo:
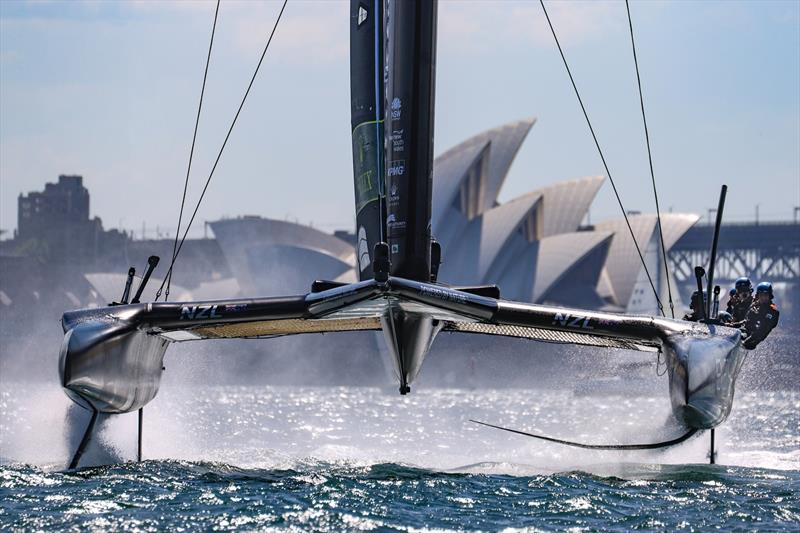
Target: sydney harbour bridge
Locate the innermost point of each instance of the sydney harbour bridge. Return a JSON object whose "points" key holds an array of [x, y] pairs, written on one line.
{"points": [[761, 251]]}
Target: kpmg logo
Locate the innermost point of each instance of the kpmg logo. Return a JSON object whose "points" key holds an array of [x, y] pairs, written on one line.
{"points": [[398, 168]]}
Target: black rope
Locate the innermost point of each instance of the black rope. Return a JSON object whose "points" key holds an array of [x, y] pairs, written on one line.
{"points": [[224, 143], [650, 159], [602, 157], [647, 446], [191, 156]]}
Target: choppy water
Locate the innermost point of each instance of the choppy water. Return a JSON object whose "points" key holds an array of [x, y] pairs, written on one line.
{"points": [[332, 497], [365, 458]]}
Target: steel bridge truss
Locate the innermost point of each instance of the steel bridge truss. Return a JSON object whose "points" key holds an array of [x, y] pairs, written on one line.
{"points": [[757, 264]]}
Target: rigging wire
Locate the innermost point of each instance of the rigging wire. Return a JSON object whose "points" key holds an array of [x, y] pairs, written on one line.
{"points": [[650, 159], [603, 159], [222, 148], [191, 156]]}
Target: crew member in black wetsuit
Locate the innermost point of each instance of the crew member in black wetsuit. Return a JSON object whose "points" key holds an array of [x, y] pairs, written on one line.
{"points": [[744, 299], [731, 301], [695, 305], [762, 316]]}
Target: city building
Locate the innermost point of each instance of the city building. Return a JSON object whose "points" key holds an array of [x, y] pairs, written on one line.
{"points": [[55, 223]]}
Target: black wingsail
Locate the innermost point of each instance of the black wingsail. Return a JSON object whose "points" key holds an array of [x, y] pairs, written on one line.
{"points": [[367, 119], [410, 84]]}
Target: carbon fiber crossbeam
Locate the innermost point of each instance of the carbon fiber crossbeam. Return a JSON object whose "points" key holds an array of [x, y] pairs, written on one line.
{"points": [[112, 357]]}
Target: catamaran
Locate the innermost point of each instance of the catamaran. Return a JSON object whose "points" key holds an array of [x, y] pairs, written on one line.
{"points": [[112, 358]]}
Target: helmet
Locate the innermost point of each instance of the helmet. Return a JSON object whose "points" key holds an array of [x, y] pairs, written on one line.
{"points": [[724, 317], [765, 287], [732, 292], [743, 284]]}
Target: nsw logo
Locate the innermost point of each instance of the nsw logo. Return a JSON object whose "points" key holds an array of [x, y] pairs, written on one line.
{"points": [[397, 108]]}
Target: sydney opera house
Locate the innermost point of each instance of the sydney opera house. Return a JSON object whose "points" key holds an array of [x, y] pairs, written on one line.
{"points": [[533, 247], [537, 247]]}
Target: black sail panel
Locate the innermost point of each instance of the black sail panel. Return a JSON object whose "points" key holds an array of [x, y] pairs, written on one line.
{"points": [[410, 85], [367, 118]]}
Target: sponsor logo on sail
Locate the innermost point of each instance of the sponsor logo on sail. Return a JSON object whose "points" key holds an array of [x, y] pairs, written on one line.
{"points": [[398, 143], [397, 168], [397, 108]]}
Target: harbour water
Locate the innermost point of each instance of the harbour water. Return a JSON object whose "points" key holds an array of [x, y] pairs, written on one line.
{"points": [[364, 458]]}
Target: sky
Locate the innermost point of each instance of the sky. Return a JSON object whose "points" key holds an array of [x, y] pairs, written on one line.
{"points": [[109, 90]]}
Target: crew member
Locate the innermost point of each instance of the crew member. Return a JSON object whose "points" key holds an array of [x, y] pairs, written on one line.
{"points": [[744, 299], [731, 301], [762, 316], [697, 305]]}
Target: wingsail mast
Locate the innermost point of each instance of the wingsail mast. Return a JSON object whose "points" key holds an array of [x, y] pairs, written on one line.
{"points": [[410, 82], [367, 118], [392, 77]]}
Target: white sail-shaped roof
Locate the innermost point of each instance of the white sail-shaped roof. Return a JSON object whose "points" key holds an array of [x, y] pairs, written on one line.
{"points": [[623, 263], [566, 204], [559, 254], [554, 266], [625, 276], [489, 155], [469, 257], [451, 169], [675, 225], [500, 223], [276, 257]]}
